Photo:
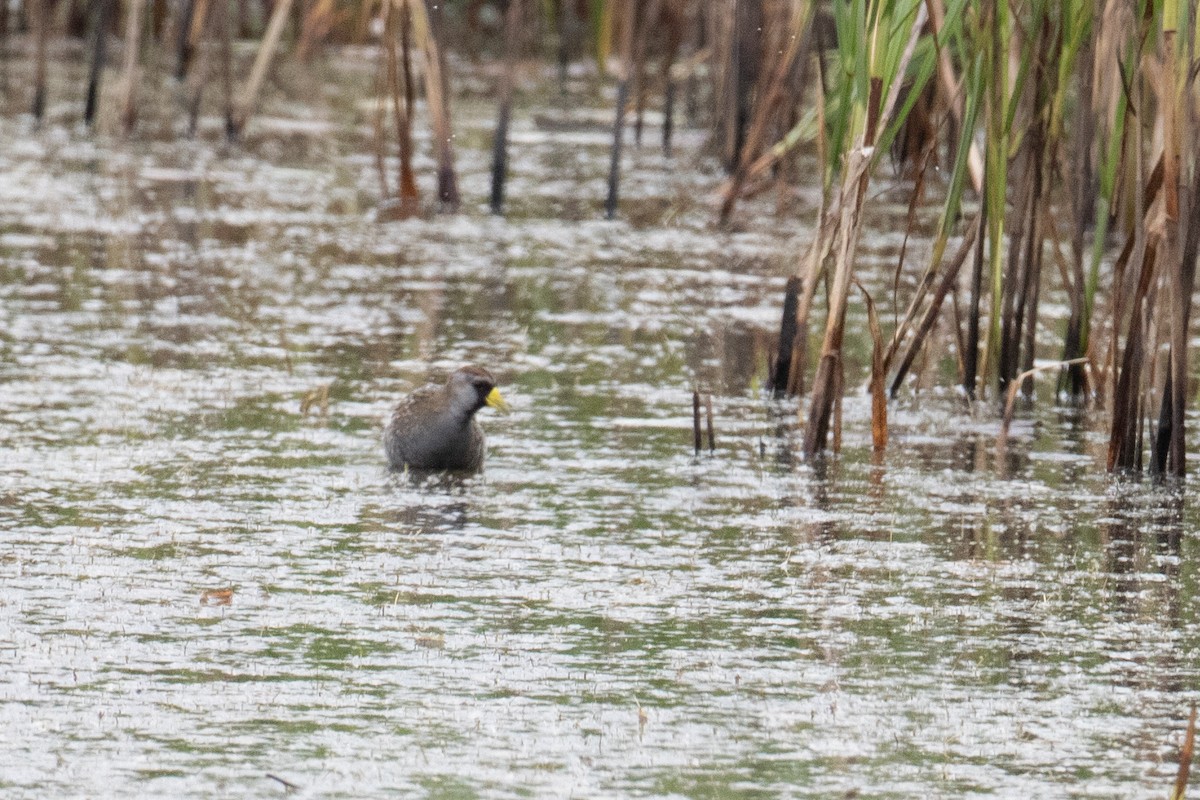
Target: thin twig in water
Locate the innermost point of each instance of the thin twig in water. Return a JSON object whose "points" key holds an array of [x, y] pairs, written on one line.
{"points": [[288, 786], [1015, 386]]}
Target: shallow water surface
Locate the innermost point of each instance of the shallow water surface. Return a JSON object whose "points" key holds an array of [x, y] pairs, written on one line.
{"points": [[202, 585]]}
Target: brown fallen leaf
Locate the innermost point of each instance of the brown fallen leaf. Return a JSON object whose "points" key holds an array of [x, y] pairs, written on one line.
{"points": [[217, 597], [316, 399]]}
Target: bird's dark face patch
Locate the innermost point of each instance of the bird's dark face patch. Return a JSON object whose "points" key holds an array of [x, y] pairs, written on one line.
{"points": [[480, 379], [477, 384], [483, 385]]}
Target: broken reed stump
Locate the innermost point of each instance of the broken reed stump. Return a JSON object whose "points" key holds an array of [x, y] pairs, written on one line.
{"points": [[40, 12], [668, 117], [129, 79], [224, 29], [697, 438], [629, 15], [512, 22], [198, 74], [183, 39], [614, 167], [564, 39], [500, 156], [426, 21], [102, 20], [4, 26], [712, 440], [781, 372]]}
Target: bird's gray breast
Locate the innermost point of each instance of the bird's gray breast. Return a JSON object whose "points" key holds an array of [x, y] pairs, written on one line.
{"points": [[439, 442]]}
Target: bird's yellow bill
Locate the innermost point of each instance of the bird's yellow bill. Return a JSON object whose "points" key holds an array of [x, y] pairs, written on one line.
{"points": [[494, 400]]}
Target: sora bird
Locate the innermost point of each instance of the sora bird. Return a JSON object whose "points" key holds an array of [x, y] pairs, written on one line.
{"points": [[434, 428]]}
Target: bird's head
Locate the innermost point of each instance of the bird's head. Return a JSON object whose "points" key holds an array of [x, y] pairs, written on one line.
{"points": [[471, 388]]}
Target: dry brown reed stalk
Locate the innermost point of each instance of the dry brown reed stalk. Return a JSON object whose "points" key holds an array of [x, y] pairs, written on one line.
{"points": [[408, 24], [564, 28], [915, 202], [102, 19], [361, 28], [408, 186], [737, 47], [790, 362], [1034, 164], [648, 12], [1166, 240], [1116, 47], [5, 24], [627, 19], [929, 317], [670, 90], [791, 359], [1185, 758], [970, 368], [224, 28], [879, 416], [193, 22], [380, 146], [829, 367], [437, 95], [855, 180], [258, 72], [396, 36], [40, 19], [1131, 387], [781, 365], [673, 16], [605, 32], [793, 345], [201, 69], [1059, 31], [1182, 239], [708, 418], [512, 28], [1082, 171], [719, 18], [997, 45], [951, 87], [243, 29], [129, 80], [791, 39], [183, 39], [319, 21]]}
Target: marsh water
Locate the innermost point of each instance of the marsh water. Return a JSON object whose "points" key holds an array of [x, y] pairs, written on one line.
{"points": [[208, 578]]}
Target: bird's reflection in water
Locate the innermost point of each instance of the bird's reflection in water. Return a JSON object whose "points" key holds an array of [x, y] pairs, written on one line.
{"points": [[429, 501], [782, 427]]}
